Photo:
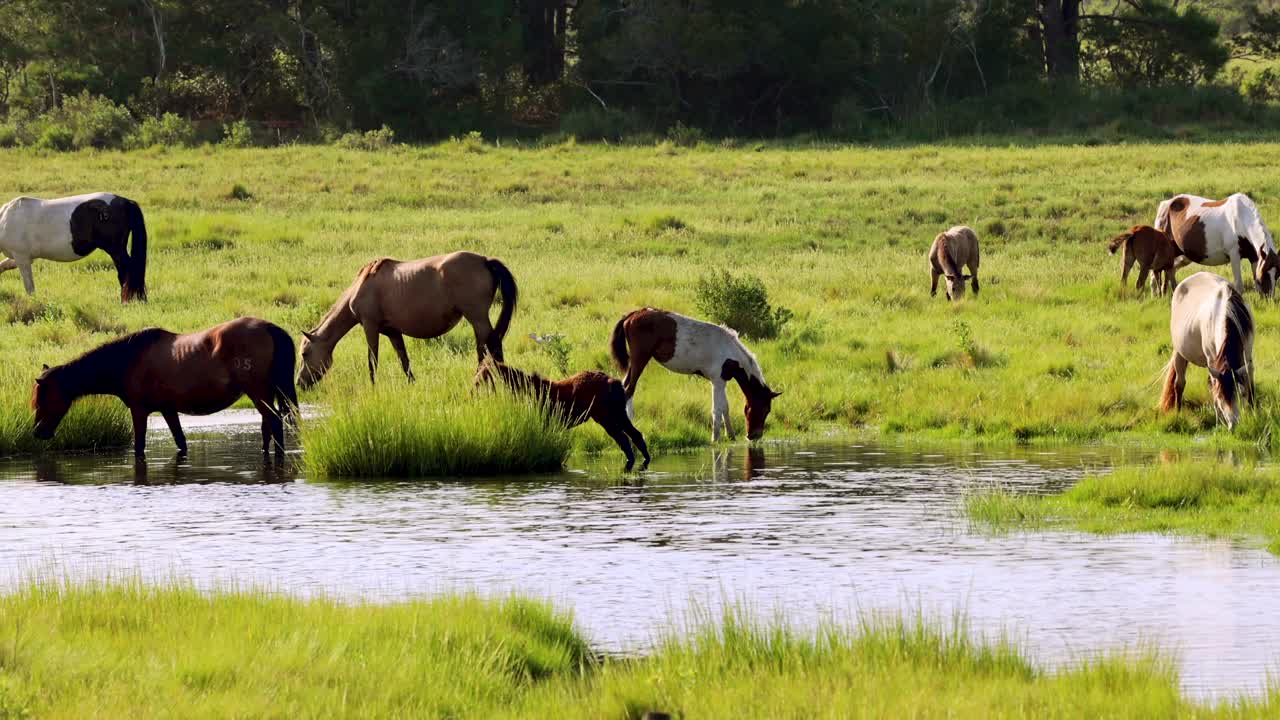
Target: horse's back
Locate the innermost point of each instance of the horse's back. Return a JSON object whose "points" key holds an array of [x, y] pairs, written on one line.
{"points": [[1196, 309], [425, 298], [206, 371]]}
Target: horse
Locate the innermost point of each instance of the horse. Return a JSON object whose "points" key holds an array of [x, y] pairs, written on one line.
{"points": [[420, 298], [1215, 232], [575, 399], [1153, 251], [692, 347], [1213, 328], [68, 229], [200, 373], [951, 250]]}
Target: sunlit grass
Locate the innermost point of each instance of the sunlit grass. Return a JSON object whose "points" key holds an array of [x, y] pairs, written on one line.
{"points": [[97, 423], [1214, 499]]}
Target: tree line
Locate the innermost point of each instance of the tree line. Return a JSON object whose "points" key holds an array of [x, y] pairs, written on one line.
{"points": [[429, 68]]}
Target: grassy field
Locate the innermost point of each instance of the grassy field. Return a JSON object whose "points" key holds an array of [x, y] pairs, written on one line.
{"points": [[1053, 350], [127, 650], [1209, 498]]}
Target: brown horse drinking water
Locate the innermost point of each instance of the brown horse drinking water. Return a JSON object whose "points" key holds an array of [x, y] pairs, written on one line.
{"points": [[154, 370], [587, 395], [419, 298]]}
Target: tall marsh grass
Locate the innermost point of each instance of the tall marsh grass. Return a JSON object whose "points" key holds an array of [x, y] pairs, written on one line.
{"points": [[1215, 499], [93, 423], [438, 427]]}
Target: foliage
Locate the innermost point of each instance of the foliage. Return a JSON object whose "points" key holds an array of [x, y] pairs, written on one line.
{"points": [[379, 139], [740, 302], [558, 348], [1152, 43], [168, 130], [238, 134]]}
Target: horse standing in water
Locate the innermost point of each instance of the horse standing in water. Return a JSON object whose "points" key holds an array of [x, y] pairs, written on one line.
{"points": [[154, 370], [1211, 327], [1216, 232], [577, 398], [419, 298], [68, 229], [693, 347]]}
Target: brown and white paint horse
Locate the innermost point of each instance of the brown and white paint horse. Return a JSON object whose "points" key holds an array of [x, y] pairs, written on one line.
{"points": [[952, 250], [419, 298], [693, 347], [575, 399], [67, 229], [1153, 251], [1211, 327], [1216, 232]]}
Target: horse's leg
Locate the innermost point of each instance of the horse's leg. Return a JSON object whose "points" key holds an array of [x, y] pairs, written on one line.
{"points": [[1235, 270], [28, 281], [619, 436], [272, 426], [483, 329], [1180, 379], [936, 273], [637, 437], [7, 265], [719, 410], [639, 360], [397, 343], [973, 270], [1142, 277], [175, 428], [139, 430], [371, 337]]}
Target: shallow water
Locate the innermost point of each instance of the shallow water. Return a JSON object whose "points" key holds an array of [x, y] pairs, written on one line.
{"points": [[812, 530]]}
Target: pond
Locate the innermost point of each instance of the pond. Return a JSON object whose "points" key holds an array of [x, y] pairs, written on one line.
{"points": [[810, 530]]}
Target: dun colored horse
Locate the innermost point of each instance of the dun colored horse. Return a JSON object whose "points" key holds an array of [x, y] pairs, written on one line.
{"points": [[1153, 251], [1217, 232], [67, 229], [1211, 327], [587, 395], [952, 250], [419, 298], [693, 347], [154, 370]]}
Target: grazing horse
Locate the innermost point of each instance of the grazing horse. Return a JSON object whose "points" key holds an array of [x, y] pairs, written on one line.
{"points": [[952, 250], [575, 399], [1211, 327], [1215, 232], [693, 347], [419, 298], [154, 370], [67, 229], [1153, 251]]}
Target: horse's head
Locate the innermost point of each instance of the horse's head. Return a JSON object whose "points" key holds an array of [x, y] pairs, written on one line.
{"points": [[317, 356], [50, 402], [1266, 272], [759, 403], [955, 286], [1224, 388]]}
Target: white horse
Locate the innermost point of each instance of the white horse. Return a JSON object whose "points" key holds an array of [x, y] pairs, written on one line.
{"points": [[1215, 232], [693, 347], [1211, 327], [67, 229]]}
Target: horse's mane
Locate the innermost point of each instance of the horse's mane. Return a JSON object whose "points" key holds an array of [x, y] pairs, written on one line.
{"points": [[1238, 328], [114, 355], [751, 364], [515, 379], [945, 258]]}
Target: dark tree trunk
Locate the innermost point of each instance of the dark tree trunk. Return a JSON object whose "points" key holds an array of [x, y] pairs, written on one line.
{"points": [[544, 34], [1060, 20]]}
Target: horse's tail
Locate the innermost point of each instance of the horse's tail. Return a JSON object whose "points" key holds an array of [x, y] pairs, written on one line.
{"points": [[135, 286], [280, 375], [506, 283], [1169, 396], [1117, 241], [618, 344]]}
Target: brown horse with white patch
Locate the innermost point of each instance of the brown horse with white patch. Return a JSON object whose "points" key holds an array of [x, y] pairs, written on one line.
{"points": [[154, 370], [576, 399], [1154, 253], [952, 250], [693, 347], [419, 298]]}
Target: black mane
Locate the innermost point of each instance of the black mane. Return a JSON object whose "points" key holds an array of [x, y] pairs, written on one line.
{"points": [[109, 360]]}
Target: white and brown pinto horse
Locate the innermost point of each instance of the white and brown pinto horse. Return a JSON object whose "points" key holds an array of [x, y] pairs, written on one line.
{"points": [[692, 347], [420, 298], [1216, 232], [67, 229], [1211, 327]]}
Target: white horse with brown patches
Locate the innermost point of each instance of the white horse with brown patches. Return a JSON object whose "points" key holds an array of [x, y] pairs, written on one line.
{"points": [[1216, 232], [692, 347], [68, 229], [951, 251], [1211, 327]]}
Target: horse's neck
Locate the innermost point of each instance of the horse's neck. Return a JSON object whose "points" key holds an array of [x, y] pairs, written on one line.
{"points": [[89, 375], [524, 382], [337, 322]]}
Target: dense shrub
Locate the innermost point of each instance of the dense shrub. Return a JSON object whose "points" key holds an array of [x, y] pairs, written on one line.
{"points": [[169, 130], [238, 134], [741, 303], [379, 139], [56, 137], [95, 121], [8, 135]]}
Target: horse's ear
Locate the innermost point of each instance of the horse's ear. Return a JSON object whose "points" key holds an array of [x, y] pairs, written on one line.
{"points": [[774, 393], [966, 277], [308, 336], [45, 367], [1216, 375]]}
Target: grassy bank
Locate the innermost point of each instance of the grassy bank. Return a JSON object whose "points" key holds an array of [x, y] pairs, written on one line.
{"points": [[1208, 498], [126, 650], [1052, 351]]}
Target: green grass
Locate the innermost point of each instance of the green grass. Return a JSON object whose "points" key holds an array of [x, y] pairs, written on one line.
{"points": [[91, 424], [1214, 499], [1052, 351], [123, 649], [436, 427]]}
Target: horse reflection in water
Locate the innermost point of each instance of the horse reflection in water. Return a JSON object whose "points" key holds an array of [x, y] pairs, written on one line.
{"points": [[723, 463], [207, 468]]}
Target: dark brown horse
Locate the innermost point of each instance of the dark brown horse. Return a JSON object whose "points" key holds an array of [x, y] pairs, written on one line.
{"points": [[154, 370], [419, 298], [577, 398]]}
